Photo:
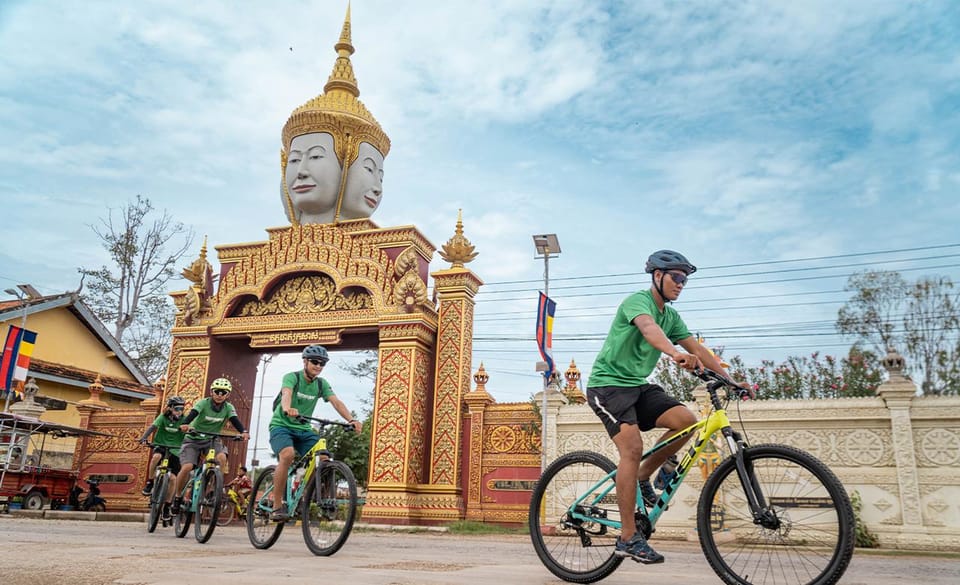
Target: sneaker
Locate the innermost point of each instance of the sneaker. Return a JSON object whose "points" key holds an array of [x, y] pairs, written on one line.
{"points": [[147, 488], [279, 515], [165, 514], [666, 472], [175, 508], [650, 496], [638, 549]]}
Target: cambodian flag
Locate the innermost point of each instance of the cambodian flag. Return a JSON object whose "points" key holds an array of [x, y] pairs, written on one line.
{"points": [[17, 350], [545, 312]]}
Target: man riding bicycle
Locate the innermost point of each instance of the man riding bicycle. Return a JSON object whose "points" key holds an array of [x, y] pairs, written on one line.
{"points": [[289, 437], [207, 416], [643, 328], [166, 432]]}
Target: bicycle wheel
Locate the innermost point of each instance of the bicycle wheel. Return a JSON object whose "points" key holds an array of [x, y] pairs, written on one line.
{"points": [[805, 534], [208, 506], [329, 508], [158, 496], [576, 550], [262, 531], [227, 510], [181, 523]]}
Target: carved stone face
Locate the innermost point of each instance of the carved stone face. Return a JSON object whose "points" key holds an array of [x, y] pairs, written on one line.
{"points": [[364, 184], [313, 177]]}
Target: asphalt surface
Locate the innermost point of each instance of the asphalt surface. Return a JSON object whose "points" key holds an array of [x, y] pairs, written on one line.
{"points": [[96, 553]]}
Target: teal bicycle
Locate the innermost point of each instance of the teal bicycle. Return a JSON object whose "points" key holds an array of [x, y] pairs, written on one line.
{"points": [[201, 495], [325, 499], [767, 515]]}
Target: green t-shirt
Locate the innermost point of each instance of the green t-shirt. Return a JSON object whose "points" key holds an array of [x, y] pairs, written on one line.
{"points": [[208, 420], [303, 397], [168, 433], [626, 358]]}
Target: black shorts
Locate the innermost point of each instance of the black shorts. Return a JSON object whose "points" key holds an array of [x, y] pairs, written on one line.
{"points": [[637, 405], [173, 462]]}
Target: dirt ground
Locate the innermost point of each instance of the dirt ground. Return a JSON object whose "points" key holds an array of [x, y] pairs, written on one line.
{"points": [[98, 553]]}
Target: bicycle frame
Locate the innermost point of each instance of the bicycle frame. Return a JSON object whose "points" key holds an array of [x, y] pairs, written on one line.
{"points": [[716, 421], [196, 476], [314, 454]]}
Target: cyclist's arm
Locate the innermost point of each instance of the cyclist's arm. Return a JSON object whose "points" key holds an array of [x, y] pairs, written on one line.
{"points": [[706, 356], [235, 421], [147, 433], [286, 397], [343, 411], [185, 423]]}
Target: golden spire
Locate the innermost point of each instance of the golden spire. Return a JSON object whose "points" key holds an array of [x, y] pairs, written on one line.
{"points": [[197, 271], [342, 77], [337, 110], [458, 250]]}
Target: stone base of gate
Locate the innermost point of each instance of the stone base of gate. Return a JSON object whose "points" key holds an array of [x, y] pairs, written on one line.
{"points": [[421, 505]]}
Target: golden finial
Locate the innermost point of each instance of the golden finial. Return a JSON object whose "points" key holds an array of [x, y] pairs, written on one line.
{"points": [[481, 378], [342, 77], [572, 391], [458, 250]]}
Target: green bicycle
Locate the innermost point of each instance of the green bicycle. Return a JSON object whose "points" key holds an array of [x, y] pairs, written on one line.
{"points": [[768, 514], [325, 499], [159, 496], [201, 495]]}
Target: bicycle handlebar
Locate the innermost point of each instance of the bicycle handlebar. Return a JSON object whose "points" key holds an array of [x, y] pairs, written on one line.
{"points": [[717, 380], [324, 422], [216, 435]]}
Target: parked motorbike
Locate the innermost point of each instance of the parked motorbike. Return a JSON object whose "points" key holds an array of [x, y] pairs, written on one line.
{"points": [[93, 502]]}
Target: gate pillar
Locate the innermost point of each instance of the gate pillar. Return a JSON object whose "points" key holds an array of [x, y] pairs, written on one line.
{"points": [[399, 441]]}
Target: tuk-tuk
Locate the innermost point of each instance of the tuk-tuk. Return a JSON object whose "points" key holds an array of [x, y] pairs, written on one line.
{"points": [[26, 478]]}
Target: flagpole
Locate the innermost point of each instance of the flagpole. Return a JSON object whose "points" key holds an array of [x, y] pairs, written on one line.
{"points": [[23, 325], [545, 244]]}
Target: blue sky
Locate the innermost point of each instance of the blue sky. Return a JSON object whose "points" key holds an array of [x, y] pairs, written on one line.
{"points": [[734, 132]]}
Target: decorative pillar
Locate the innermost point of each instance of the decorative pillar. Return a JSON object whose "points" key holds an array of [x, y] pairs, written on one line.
{"points": [[400, 423], [455, 288], [555, 400], [897, 393], [477, 402]]}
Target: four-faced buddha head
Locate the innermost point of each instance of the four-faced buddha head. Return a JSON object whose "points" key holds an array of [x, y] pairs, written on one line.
{"points": [[331, 133]]}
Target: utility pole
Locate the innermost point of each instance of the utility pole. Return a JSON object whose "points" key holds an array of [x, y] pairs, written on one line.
{"points": [[546, 244]]}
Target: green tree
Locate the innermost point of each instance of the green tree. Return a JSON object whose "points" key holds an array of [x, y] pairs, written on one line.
{"points": [[352, 448], [874, 311], [921, 320], [131, 292], [931, 325]]}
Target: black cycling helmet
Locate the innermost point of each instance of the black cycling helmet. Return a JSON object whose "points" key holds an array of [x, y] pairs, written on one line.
{"points": [[316, 352], [175, 401], [669, 260]]}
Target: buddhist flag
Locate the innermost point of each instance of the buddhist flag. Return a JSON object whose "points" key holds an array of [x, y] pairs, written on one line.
{"points": [[545, 312], [17, 350]]}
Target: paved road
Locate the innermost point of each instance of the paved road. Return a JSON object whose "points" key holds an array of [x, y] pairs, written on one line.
{"points": [[97, 553]]}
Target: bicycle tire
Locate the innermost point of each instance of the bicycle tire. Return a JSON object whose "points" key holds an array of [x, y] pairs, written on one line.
{"points": [[329, 508], [157, 496], [181, 523], [810, 526], [208, 504], [575, 551], [262, 531], [227, 510]]}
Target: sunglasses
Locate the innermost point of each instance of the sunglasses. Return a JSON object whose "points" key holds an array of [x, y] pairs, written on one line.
{"points": [[180, 408], [221, 392], [317, 362], [678, 277]]}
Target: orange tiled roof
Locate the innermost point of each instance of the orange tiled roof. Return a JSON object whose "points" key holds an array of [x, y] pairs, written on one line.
{"points": [[87, 376]]}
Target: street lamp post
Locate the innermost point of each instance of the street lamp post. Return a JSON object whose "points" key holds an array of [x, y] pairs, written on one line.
{"points": [[546, 244], [22, 296], [264, 361]]}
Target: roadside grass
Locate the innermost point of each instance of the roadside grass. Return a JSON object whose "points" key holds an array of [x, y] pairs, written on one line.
{"points": [[467, 527]]}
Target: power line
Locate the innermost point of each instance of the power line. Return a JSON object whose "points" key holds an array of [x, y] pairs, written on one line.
{"points": [[739, 265]]}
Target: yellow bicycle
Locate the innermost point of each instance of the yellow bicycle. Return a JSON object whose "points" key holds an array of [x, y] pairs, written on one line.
{"points": [[231, 505], [768, 514], [325, 499]]}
